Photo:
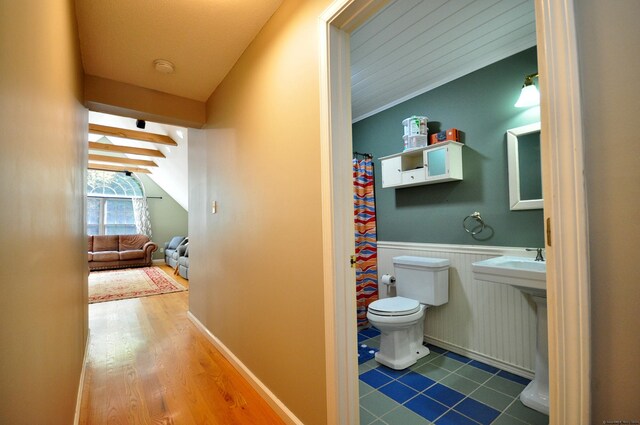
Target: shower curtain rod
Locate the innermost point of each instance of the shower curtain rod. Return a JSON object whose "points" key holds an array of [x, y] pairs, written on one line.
{"points": [[366, 155]]}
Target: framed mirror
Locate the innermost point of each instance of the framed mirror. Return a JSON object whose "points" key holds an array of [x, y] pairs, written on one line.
{"points": [[525, 176]]}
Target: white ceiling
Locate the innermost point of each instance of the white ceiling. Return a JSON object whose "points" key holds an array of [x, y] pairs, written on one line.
{"points": [[413, 46], [120, 39]]}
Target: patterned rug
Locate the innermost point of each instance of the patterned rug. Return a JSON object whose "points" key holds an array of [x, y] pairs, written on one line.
{"points": [[110, 285]]}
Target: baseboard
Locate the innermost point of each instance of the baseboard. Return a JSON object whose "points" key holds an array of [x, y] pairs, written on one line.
{"points": [[85, 358], [157, 262], [480, 357], [271, 399]]}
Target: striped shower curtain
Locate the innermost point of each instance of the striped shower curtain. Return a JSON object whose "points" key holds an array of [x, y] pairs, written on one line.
{"points": [[365, 235]]}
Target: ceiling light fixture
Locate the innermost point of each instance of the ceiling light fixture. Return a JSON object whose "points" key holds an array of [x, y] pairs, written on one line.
{"points": [[529, 96], [164, 66]]}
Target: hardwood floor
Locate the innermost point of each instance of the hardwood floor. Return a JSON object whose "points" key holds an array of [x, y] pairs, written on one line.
{"points": [[148, 364]]}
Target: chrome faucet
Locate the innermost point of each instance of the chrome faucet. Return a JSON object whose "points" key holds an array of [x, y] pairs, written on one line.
{"points": [[538, 251]]}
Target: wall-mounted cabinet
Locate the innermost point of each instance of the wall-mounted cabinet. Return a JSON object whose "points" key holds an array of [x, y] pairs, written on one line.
{"points": [[437, 163]]}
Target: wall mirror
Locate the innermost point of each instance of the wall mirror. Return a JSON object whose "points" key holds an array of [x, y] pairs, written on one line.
{"points": [[525, 177]]}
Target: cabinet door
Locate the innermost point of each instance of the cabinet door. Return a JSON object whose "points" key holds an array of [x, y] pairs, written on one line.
{"points": [[391, 171], [437, 162]]}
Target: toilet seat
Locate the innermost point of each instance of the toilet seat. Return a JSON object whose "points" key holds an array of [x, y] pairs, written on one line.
{"points": [[394, 306]]}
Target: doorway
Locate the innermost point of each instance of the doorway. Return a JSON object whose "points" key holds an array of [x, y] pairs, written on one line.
{"points": [[566, 243]]}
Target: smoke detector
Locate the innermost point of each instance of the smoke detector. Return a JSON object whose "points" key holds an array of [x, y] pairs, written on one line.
{"points": [[164, 66]]}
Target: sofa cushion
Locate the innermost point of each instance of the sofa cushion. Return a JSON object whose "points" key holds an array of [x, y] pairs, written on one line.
{"points": [[90, 243], [105, 243], [131, 254], [175, 241], [90, 256], [106, 256], [130, 242]]}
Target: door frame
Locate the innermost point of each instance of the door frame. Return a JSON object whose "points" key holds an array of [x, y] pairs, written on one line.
{"points": [[564, 209]]}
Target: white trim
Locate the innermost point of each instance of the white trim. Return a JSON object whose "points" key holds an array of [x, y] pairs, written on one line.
{"points": [[85, 358], [341, 367], [480, 357], [460, 249], [157, 261], [565, 209], [273, 401], [513, 162]]}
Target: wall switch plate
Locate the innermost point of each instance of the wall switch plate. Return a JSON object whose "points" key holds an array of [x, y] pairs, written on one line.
{"points": [[213, 207]]}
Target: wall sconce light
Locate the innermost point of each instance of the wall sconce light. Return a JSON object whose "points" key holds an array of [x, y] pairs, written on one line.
{"points": [[529, 96]]}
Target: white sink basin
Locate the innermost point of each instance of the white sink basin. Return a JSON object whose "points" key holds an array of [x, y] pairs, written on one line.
{"points": [[524, 273]]}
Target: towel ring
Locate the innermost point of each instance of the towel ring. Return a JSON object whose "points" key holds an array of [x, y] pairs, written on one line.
{"points": [[479, 221]]}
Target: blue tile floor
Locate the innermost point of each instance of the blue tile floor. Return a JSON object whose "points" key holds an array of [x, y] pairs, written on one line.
{"points": [[442, 388]]}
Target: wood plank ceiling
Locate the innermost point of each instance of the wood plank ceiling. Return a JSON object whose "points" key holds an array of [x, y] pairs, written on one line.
{"points": [[413, 46], [116, 161]]}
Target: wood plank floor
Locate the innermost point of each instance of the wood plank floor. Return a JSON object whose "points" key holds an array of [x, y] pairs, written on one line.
{"points": [[148, 364]]}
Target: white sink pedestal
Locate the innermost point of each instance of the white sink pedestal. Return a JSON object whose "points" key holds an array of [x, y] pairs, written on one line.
{"points": [[536, 394], [530, 277]]}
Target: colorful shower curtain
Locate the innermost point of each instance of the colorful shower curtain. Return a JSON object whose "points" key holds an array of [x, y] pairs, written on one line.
{"points": [[365, 235]]}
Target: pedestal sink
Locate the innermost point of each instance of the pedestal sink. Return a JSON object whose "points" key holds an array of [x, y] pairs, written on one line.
{"points": [[530, 277]]}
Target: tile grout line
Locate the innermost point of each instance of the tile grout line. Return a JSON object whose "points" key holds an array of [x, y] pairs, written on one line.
{"points": [[439, 381]]}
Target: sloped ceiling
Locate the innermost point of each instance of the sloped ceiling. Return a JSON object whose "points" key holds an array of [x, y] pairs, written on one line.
{"points": [[412, 46], [172, 172], [407, 48], [120, 39]]}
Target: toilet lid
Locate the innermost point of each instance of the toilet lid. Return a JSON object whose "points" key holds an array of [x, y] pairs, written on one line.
{"points": [[394, 306]]}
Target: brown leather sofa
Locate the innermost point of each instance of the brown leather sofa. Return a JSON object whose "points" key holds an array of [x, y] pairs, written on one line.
{"points": [[119, 251]]}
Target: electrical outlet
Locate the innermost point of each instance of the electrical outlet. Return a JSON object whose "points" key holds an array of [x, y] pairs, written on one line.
{"points": [[161, 250]]}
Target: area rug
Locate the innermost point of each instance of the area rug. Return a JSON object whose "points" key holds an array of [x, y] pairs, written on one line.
{"points": [[110, 285]]}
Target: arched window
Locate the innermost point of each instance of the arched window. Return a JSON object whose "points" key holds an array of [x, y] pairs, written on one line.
{"points": [[111, 205]]}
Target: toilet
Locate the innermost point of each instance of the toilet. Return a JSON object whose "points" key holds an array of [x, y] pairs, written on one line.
{"points": [[420, 282]]}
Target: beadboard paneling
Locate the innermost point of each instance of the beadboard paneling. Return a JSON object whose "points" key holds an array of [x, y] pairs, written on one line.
{"points": [[486, 321]]}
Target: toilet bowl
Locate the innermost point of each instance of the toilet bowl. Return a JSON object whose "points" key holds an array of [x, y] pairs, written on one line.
{"points": [[401, 324], [419, 282]]}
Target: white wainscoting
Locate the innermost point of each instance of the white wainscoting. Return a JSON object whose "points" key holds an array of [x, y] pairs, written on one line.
{"points": [[489, 322]]}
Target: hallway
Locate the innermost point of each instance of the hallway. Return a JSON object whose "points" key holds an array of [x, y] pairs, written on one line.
{"points": [[148, 364]]}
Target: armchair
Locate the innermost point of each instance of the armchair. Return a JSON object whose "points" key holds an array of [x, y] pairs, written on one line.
{"points": [[171, 253]]}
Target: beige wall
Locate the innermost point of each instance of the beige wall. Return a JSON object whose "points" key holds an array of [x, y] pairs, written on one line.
{"points": [[43, 310], [256, 265], [609, 41]]}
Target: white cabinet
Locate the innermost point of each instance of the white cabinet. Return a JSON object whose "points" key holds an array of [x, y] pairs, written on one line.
{"points": [[437, 163], [392, 172]]}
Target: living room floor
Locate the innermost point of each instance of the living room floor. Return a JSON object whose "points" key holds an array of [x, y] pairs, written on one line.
{"points": [[168, 270], [147, 363]]}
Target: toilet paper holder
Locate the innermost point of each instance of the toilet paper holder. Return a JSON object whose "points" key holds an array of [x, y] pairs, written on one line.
{"points": [[388, 279]]}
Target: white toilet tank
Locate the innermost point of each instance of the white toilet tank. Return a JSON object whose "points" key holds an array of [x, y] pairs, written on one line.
{"points": [[423, 279]]}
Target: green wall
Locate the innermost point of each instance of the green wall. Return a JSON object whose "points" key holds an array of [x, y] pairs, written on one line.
{"points": [[168, 218], [481, 106]]}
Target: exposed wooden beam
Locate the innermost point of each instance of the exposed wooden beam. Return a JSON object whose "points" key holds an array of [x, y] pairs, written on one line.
{"points": [[131, 134], [125, 149], [107, 167], [120, 160]]}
